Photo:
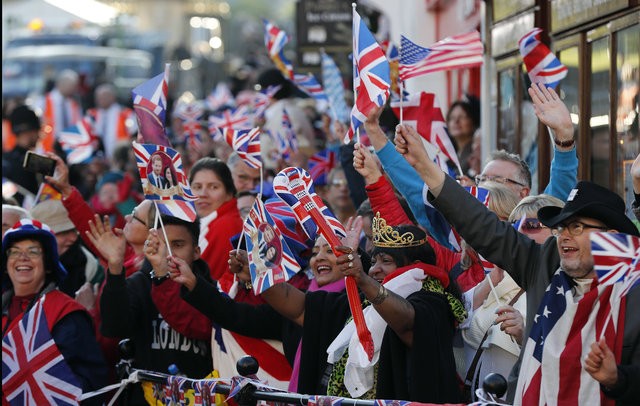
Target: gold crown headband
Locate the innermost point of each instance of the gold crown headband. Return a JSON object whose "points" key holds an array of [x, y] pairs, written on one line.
{"points": [[386, 236]]}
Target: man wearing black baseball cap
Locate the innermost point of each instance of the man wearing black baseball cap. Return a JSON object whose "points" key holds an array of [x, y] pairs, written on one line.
{"points": [[25, 124], [572, 355]]}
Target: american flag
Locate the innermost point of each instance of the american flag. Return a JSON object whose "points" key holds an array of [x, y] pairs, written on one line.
{"points": [[334, 87], [422, 112], [176, 201], [542, 65], [561, 337], [320, 164], [310, 85], [78, 142], [275, 39], [220, 97], [238, 119], [371, 78], [246, 143], [270, 259], [150, 106], [616, 257], [456, 52], [34, 372], [295, 187], [190, 114]]}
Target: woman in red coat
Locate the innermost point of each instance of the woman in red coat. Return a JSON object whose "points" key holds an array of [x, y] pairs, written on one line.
{"points": [[211, 181]]}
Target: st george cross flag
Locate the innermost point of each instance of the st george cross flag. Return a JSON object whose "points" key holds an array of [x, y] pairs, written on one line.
{"points": [[78, 142], [238, 119], [422, 112], [275, 39], [150, 106], [246, 143], [310, 85], [34, 372], [163, 179], [220, 97], [320, 164], [270, 259], [371, 78], [542, 65], [455, 52], [616, 257], [564, 328], [334, 87]]}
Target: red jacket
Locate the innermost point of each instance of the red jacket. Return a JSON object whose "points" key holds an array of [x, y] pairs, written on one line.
{"points": [[383, 200]]}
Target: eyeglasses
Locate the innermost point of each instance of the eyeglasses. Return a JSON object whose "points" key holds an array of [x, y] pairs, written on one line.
{"points": [[532, 225], [133, 216], [31, 253], [575, 228], [500, 179], [339, 182]]}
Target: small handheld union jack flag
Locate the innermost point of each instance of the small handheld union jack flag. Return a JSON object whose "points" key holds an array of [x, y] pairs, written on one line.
{"points": [[246, 143], [238, 119], [78, 142], [275, 39], [190, 114], [542, 65], [150, 106], [616, 257], [320, 164], [310, 85], [270, 259]]}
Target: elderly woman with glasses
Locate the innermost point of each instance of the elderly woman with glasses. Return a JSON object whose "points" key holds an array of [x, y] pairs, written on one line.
{"points": [[42, 326]]}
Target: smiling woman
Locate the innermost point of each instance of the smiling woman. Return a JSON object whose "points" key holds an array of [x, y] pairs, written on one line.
{"points": [[31, 272]]}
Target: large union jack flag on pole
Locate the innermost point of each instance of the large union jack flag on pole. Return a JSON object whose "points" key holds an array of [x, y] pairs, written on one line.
{"points": [[150, 106], [542, 65], [270, 259], [456, 52], [246, 143], [371, 75], [34, 371]]}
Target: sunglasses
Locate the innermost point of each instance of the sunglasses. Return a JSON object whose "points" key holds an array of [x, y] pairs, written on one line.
{"points": [[532, 225]]}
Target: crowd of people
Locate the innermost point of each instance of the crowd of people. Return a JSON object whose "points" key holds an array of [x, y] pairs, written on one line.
{"points": [[453, 285]]}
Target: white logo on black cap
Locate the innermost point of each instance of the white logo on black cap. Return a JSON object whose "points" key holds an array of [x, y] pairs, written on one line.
{"points": [[572, 194]]}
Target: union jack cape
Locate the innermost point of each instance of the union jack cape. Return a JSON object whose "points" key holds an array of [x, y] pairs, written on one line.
{"points": [[542, 65], [371, 75], [34, 372], [270, 259]]}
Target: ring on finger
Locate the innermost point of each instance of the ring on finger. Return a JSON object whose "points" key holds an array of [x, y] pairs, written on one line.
{"points": [[350, 264], [350, 257]]}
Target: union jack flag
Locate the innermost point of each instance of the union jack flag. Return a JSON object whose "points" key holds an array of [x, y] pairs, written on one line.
{"points": [[270, 259], [616, 257], [455, 52], [190, 114], [79, 142], [246, 143], [275, 39], [371, 75], [295, 187], [150, 106], [310, 85], [260, 100], [176, 200], [34, 371], [320, 164], [286, 140], [334, 87], [319, 400], [292, 232], [542, 65], [422, 112], [238, 119], [220, 97]]}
